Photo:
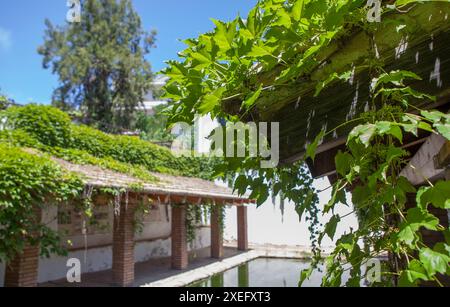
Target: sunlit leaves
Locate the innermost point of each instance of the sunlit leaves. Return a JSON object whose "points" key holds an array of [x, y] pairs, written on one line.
{"points": [[415, 219], [433, 261], [413, 274], [251, 100], [277, 36], [396, 78], [438, 195], [440, 121], [363, 134], [312, 148], [211, 101]]}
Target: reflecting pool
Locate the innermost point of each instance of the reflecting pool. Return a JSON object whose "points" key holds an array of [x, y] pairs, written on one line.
{"points": [[263, 272]]}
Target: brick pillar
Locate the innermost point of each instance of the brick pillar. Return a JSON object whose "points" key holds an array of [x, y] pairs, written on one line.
{"points": [[216, 233], [23, 270], [123, 245], [179, 238], [242, 228]]}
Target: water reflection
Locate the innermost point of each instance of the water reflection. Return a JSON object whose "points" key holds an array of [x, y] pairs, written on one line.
{"points": [[263, 273]]}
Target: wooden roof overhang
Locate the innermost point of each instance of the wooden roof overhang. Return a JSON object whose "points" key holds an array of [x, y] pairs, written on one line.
{"points": [[168, 189], [423, 48]]}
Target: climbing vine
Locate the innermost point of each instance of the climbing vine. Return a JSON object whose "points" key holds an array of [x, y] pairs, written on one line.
{"points": [[240, 69], [388, 224], [32, 136]]}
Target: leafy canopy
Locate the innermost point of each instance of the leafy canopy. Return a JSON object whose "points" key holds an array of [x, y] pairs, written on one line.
{"points": [[227, 72]]}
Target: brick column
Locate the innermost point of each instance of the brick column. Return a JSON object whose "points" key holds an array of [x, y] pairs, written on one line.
{"points": [[179, 238], [216, 233], [123, 245], [23, 270], [242, 228]]}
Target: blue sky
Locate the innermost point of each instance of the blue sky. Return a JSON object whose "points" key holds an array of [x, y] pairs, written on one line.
{"points": [[22, 27]]}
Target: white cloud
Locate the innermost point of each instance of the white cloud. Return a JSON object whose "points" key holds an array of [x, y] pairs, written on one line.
{"points": [[5, 39]]}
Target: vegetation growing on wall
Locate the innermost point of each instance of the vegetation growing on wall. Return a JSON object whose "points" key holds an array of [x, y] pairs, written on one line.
{"points": [[31, 135], [227, 72], [28, 181]]}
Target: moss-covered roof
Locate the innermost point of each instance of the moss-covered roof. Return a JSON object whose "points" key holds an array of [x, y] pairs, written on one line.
{"points": [[164, 185], [108, 161]]}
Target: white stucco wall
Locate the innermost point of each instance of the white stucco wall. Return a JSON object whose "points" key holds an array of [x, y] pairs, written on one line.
{"points": [[100, 259], [267, 224], [152, 243]]}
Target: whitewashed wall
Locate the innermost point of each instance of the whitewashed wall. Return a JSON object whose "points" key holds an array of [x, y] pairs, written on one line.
{"points": [[267, 224], [154, 242]]}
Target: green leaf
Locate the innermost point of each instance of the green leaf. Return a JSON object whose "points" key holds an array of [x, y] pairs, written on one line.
{"points": [[434, 262], [395, 77], [334, 76], [444, 130], [304, 275], [312, 148], [251, 100], [363, 133], [408, 235], [389, 128], [415, 272], [438, 196], [210, 101], [418, 218], [297, 10], [343, 163], [330, 228], [260, 51], [433, 116]]}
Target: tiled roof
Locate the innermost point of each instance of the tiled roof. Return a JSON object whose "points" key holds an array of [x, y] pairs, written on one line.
{"points": [[167, 184]]}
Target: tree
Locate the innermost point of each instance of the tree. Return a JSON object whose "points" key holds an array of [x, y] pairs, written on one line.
{"points": [[100, 62], [4, 101]]}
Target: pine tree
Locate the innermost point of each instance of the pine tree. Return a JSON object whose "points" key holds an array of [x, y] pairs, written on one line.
{"points": [[100, 62]]}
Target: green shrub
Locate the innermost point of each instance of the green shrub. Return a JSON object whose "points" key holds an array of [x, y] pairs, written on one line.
{"points": [[47, 129], [48, 125]]}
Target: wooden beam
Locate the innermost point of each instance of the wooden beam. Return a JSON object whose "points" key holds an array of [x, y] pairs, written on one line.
{"points": [[442, 159], [421, 168]]}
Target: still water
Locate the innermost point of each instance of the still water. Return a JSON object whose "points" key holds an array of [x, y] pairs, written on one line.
{"points": [[263, 272]]}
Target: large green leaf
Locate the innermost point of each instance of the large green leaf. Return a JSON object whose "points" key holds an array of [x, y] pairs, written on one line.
{"points": [[438, 196], [312, 148], [330, 228], [434, 262], [363, 133]]}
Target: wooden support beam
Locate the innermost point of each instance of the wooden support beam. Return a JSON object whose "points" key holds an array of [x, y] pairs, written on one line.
{"points": [[442, 159], [422, 168]]}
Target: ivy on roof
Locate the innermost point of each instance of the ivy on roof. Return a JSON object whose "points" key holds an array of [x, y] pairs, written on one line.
{"points": [[51, 131], [30, 138]]}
